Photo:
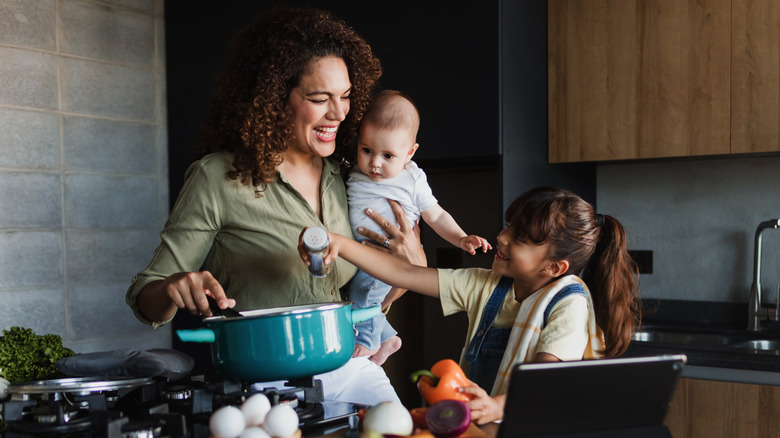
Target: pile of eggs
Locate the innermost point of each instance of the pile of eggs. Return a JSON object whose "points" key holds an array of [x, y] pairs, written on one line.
{"points": [[255, 419]]}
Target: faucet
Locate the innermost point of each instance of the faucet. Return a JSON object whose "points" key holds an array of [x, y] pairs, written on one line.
{"points": [[756, 307]]}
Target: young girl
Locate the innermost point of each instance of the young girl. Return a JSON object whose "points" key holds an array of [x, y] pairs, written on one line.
{"points": [[551, 235]]}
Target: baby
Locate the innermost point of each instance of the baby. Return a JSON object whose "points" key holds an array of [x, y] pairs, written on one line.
{"points": [[385, 170]]}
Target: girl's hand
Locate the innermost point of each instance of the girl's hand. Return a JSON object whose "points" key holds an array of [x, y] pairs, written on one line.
{"points": [[333, 248], [404, 241], [189, 289], [484, 408], [472, 243]]}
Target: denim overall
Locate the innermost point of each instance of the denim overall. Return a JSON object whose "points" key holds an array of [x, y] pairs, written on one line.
{"points": [[486, 350]]}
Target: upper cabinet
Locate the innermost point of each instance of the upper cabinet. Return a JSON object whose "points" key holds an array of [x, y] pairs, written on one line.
{"points": [[662, 78], [755, 76]]}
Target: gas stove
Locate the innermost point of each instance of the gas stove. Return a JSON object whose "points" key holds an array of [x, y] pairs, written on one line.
{"points": [[129, 407]]}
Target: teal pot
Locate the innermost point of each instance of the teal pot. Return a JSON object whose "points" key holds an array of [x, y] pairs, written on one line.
{"points": [[281, 343]]}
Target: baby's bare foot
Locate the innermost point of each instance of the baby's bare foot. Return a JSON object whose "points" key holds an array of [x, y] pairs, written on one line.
{"points": [[390, 346], [361, 350]]}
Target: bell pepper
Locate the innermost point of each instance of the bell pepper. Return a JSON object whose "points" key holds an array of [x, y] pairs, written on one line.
{"points": [[442, 382]]}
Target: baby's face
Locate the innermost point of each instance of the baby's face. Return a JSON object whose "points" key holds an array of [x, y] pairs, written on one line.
{"points": [[383, 153]]}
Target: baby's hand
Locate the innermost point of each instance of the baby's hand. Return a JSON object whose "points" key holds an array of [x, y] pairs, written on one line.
{"points": [[471, 243]]}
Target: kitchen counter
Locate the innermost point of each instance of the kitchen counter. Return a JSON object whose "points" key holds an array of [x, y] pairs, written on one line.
{"points": [[712, 362], [489, 430], [718, 363]]}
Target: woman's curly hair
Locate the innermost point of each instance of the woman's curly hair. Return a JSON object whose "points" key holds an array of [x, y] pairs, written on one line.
{"points": [[249, 115]]}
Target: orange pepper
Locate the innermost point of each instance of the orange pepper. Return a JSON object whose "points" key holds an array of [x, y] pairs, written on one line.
{"points": [[442, 382]]}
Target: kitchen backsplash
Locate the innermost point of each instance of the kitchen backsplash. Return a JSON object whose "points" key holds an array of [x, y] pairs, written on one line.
{"points": [[84, 167], [699, 217]]}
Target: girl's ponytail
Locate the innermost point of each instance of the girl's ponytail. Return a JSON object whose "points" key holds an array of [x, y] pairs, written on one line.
{"points": [[595, 246], [612, 276]]}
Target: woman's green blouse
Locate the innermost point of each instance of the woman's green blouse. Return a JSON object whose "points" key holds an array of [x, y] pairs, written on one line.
{"points": [[249, 243]]}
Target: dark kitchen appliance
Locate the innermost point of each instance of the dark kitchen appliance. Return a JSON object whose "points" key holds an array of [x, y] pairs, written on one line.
{"points": [[126, 407], [600, 398]]}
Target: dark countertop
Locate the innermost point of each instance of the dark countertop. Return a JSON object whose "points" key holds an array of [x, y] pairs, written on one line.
{"points": [[707, 317], [717, 357]]}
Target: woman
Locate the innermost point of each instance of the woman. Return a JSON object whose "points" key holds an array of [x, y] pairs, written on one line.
{"points": [[282, 118]]}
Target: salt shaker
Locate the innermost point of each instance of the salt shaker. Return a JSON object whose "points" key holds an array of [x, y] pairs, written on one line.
{"points": [[316, 242]]}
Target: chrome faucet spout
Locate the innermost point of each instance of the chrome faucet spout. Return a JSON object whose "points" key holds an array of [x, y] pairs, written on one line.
{"points": [[756, 308]]}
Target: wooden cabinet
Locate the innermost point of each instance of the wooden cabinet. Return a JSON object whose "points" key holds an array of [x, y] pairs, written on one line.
{"points": [[712, 409], [755, 80], [662, 78]]}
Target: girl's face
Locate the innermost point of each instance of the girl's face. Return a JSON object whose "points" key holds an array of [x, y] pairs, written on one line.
{"points": [[526, 262], [319, 104], [383, 153]]}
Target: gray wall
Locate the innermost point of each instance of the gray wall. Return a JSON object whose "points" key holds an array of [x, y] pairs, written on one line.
{"points": [[83, 168], [523, 108], [699, 217]]}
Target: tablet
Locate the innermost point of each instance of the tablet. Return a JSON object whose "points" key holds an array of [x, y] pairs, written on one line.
{"points": [[618, 397]]}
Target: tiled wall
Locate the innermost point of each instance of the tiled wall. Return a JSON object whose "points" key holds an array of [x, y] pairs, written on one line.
{"points": [[83, 165], [699, 217]]}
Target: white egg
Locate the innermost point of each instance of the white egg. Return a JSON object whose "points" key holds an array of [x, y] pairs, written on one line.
{"points": [[255, 408], [281, 421], [254, 432], [227, 422]]}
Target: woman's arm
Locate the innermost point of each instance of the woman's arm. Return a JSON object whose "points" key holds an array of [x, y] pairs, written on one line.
{"points": [[404, 243]]}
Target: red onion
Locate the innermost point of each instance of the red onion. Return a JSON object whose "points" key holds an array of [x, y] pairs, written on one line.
{"points": [[448, 418]]}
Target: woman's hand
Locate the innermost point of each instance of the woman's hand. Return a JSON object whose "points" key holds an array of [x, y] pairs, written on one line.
{"points": [[159, 300], [484, 408], [189, 289], [404, 241]]}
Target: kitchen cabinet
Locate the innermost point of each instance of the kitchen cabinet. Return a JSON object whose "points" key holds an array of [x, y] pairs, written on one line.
{"points": [[661, 78], [712, 409], [755, 82]]}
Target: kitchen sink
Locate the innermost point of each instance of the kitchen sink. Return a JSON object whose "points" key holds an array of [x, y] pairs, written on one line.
{"points": [[757, 344], [686, 338], [729, 340]]}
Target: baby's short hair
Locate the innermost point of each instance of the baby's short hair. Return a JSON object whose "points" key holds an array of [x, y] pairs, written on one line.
{"points": [[391, 109]]}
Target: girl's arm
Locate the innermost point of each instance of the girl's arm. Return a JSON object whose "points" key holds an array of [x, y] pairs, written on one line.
{"points": [[380, 265], [445, 226], [485, 408]]}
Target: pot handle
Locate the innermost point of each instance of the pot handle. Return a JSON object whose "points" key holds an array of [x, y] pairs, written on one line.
{"points": [[360, 315], [198, 335]]}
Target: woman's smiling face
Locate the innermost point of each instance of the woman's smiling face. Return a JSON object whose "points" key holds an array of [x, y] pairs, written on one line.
{"points": [[319, 104]]}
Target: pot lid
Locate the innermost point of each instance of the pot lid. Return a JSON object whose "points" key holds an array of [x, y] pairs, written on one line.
{"points": [[78, 384]]}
